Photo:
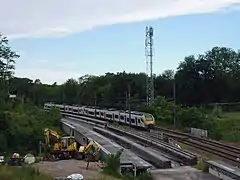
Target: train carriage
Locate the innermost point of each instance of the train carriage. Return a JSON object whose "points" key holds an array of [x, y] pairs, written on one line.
{"points": [[138, 119]]}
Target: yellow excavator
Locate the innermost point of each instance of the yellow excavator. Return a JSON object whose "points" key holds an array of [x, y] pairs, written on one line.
{"points": [[66, 147], [63, 147], [90, 152]]}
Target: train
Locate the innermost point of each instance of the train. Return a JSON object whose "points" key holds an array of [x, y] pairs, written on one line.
{"points": [[138, 119]]}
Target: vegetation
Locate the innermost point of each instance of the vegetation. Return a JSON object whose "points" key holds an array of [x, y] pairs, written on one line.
{"points": [[112, 167], [199, 81], [26, 173], [21, 123]]}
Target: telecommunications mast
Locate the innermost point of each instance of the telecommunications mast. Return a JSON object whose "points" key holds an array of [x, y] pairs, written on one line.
{"points": [[149, 69]]}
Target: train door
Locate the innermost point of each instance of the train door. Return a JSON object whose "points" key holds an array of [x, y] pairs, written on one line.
{"points": [[104, 115], [133, 121], [139, 122]]}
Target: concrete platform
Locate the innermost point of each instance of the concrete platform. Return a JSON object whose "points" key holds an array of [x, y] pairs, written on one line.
{"points": [[223, 170], [107, 145], [181, 173]]}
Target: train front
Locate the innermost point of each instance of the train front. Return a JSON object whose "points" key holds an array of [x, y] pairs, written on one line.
{"points": [[149, 121]]}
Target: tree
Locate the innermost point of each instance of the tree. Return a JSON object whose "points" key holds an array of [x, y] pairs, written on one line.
{"points": [[205, 76], [7, 62]]}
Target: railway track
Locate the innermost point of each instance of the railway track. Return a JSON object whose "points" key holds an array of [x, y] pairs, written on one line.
{"points": [[214, 147], [178, 155]]}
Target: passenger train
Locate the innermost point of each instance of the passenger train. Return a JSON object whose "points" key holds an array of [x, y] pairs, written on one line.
{"points": [[138, 119]]}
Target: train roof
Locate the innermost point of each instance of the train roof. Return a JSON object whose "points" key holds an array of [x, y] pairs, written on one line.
{"points": [[108, 109]]}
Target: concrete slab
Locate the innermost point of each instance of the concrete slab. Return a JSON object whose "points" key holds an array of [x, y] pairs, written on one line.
{"points": [[181, 173], [226, 167]]}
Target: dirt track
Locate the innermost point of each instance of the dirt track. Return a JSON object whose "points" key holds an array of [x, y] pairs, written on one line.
{"points": [[67, 167]]}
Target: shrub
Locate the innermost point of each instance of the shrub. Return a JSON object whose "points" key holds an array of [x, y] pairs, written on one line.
{"points": [[112, 164]]}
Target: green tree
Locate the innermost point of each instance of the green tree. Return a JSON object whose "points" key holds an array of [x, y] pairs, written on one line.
{"points": [[7, 65]]}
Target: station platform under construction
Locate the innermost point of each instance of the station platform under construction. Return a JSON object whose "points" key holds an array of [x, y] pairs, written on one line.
{"points": [[107, 146]]}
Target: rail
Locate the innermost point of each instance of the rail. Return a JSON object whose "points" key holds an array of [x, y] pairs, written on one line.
{"points": [[214, 147], [178, 155]]}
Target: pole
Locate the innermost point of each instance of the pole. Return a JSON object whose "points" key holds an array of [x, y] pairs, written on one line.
{"points": [[126, 101], [129, 104], [40, 148], [174, 103], [95, 103]]}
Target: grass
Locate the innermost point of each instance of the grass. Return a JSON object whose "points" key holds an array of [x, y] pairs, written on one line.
{"points": [[200, 165], [231, 115], [20, 173]]}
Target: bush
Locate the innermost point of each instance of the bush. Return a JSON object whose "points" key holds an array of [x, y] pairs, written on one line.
{"points": [[217, 111], [229, 129], [22, 126], [113, 164]]}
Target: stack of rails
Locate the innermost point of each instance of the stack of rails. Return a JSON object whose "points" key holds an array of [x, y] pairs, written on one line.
{"points": [[155, 158], [214, 147], [182, 155]]}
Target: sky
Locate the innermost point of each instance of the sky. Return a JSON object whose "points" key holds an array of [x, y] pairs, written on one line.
{"points": [[60, 39]]}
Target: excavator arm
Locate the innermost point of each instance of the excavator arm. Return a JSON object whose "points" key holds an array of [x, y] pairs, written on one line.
{"points": [[92, 147], [90, 150], [48, 132]]}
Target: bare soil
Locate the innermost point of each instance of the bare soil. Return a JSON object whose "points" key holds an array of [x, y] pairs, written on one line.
{"points": [[65, 168]]}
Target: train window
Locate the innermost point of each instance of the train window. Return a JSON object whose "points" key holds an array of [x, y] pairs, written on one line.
{"points": [[116, 116], [90, 112], [101, 113], [122, 117], [139, 121], [97, 113], [148, 117], [132, 121], [108, 115], [127, 119]]}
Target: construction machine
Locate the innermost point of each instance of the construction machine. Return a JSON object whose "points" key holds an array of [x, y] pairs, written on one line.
{"points": [[66, 147], [90, 152], [63, 147]]}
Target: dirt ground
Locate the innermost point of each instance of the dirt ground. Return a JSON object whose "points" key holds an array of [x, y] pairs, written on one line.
{"points": [[65, 168]]}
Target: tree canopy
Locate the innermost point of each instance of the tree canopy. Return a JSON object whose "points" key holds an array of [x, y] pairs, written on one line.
{"points": [[199, 80]]}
